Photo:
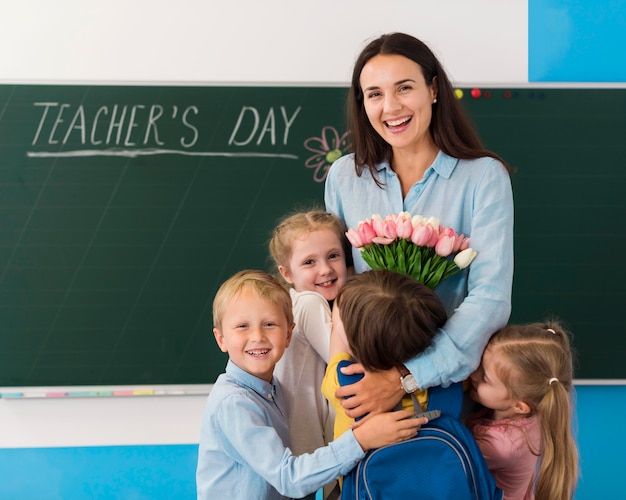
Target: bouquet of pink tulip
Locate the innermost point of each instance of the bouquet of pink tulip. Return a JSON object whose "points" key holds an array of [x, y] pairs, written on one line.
{"points": [[413, 245]]}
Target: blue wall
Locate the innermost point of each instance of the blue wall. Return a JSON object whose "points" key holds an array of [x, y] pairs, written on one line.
{"points": [[576, 41], [167, 472]]}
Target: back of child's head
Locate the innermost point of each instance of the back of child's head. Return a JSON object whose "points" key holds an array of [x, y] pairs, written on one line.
{"points": [[298, 225], [264, 284], [535, 362], [388, 317]]}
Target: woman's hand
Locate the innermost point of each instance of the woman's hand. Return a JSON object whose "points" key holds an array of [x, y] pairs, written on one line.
{"points": [[376, 392]]}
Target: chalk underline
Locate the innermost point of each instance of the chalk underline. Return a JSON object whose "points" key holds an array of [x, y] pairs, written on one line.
{"points": [[132, 153]]}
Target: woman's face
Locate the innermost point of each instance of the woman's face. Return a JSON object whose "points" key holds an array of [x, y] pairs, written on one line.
{"points": [[397, 100]]}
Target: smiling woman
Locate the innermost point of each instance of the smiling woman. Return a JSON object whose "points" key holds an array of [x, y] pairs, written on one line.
{"points": [[398, 103], [415, 151]]}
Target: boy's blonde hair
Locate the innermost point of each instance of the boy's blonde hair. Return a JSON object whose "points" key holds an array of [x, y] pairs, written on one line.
{"points": [[296, 225], [267, 286]]}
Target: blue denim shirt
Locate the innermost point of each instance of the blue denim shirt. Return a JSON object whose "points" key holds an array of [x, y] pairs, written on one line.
{"points": [[475, 198], [244, 454]]}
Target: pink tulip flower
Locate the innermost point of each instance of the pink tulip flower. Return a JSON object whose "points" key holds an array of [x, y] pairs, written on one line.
{"points": [[421, 235], [448, 231], [354, 238], [404, 226], [457, 243], [444, 246], [465, 243], [434, 238], [389, 227], [381, 240], [366, 232], [377, 223]]}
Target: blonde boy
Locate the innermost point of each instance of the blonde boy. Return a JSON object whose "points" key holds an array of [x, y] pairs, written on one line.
{"points": [[244, 442]]}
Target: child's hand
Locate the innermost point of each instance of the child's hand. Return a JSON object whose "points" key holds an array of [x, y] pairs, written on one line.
{"points": [[388, 428]]}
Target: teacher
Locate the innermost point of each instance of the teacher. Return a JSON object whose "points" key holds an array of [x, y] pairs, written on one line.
{"points": [[416, 151]]}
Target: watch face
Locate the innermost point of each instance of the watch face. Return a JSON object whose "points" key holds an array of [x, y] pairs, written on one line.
{"points": [[409, 384]]}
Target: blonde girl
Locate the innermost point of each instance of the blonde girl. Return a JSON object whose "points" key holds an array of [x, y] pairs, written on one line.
{"points": [[309, 250], [524, 383]]}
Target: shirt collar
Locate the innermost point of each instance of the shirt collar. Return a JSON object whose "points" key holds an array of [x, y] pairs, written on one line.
{"points": [[443, 165], [245, 379]]}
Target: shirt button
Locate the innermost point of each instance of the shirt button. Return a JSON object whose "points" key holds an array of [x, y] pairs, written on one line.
{"points": [[269, 396]]}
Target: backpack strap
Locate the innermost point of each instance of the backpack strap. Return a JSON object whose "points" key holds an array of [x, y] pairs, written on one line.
{"points": [[347, 379], [447, 399]]}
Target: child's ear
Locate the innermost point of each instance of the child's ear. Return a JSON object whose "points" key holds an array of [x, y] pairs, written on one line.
{"points": [[284, 272], [289, 333], [219, 338], [521, 408]]}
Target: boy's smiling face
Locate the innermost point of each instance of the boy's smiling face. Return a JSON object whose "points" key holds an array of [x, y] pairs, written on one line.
{"points": [[255, 333]]}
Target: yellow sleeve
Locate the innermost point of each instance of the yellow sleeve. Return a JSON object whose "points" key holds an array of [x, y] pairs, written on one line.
{"points": [[329, 385]]}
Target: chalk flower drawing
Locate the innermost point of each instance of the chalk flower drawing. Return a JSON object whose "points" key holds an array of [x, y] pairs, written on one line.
{"points": [[327, 148]]}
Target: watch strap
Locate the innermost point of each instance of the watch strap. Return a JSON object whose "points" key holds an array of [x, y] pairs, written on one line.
{"points": [[404, 371]]}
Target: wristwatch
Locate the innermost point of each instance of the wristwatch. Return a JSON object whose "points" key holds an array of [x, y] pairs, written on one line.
{"points": [[407, 380]]}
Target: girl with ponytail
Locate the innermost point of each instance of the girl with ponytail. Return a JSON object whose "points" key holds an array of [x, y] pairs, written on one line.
{"points": [[524, 384]]}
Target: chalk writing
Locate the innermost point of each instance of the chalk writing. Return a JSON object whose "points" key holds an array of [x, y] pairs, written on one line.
{"points": [[113, 125], [269, 126], [133, 130]]}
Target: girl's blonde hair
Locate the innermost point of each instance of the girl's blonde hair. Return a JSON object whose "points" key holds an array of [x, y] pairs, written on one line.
{"points": [[266, 285], [535, 363], [299, 224]]}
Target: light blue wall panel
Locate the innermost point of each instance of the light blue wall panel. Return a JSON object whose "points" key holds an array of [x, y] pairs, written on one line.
{"points": [[168, 472], [577, 41]]}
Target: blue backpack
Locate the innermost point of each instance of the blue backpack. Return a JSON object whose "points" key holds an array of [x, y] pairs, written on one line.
{"points": [[442, 462]]}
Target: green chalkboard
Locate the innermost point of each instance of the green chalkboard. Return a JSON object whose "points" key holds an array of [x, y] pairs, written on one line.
{"points": [[123, 208], [569, 146]]}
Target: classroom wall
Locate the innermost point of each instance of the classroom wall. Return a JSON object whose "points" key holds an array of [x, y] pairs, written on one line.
{"points": [[255, 43], [275, 41]]}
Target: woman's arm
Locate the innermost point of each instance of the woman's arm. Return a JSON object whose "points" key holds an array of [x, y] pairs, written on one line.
{"points": [[457, 348]]}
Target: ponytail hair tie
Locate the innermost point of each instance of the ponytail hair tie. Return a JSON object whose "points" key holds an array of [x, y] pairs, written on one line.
{"points": [[553, 379], [551, 331]]}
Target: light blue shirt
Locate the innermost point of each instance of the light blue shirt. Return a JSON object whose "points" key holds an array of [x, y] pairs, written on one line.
{"points": [[475, 198], [244, 454]]}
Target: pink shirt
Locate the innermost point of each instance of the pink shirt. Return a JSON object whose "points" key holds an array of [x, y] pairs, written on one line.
{"points": [[508, 447]]}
